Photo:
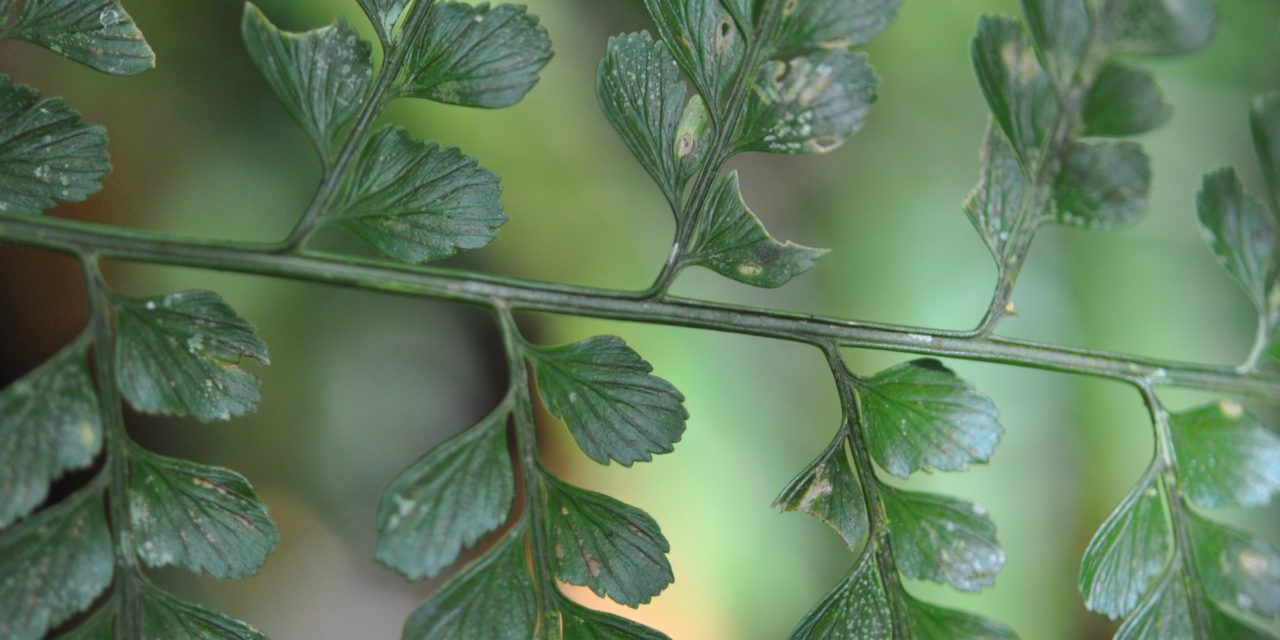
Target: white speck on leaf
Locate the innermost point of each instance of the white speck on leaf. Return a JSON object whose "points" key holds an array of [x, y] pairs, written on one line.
{"points": [[1230, 408]]}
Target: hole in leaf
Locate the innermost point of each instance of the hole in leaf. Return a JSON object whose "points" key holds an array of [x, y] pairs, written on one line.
{"points": [[723, 35]]}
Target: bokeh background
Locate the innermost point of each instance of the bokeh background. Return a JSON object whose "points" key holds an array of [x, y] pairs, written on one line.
{"points": [[361, 384]]}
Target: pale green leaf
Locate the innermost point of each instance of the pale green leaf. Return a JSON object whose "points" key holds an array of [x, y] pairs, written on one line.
{"points": [[167, 617], [735, 244], [691, 135], [581, 623], [46, 152], [1020, 94], [832, 24], [1167, 614], [48, 425], [857, 609], [1162, 615], [943, 539], [1236, 568], [1264, 120], [642, 96], [1241, 233], [612, 406], [474, 55], [1123, 101], [1226, 458], [614, 548], [829, 490], [54, 564], [920, 415], [207, 519], [98, 33], [384, 14], [808, 104], [415, 201], [1157, 27], [180, 354], [321, 76], [995, 204], [929, 622], [491, 599], [705, 42], [1127, 552], [446, 500], [1060, 29], [1102, 185]]}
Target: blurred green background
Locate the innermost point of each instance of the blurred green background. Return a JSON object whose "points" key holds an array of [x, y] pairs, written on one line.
{"points": [[361, 385]]}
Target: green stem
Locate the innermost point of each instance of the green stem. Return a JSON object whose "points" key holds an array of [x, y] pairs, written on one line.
{"points": [[1071, 96], [373, 105], [77, 238], [1260, 344], [531, 471], [129, 620], [724, 126], [1179, 516], [878, 541]]}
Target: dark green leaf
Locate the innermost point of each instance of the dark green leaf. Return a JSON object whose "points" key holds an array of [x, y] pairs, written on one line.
{"points": [[54, 564], [615, 549], [613, 407], [736, 245], [642, 96], [1167, 614], [705, 42], [995, 205], [1127, 552], [1102, 185], [1060, 29], [829, 490], [580, 623], [48, 425], [920, 415], [1158, 27], [415, 201], [491, 599], [929, 622], [1225, 457], [808, 105], [832, 24], [1123, 101], [98, 33], [857, 609], [742, 12], [943, 539], [99, 626], [447, 499], [1240, 232], [1264, 120], [321, 76], [474, 56], [1236, 568], [46, 152], [1021, 97], [180, 354], [384, 14], [201, 517], [165, 616]]}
